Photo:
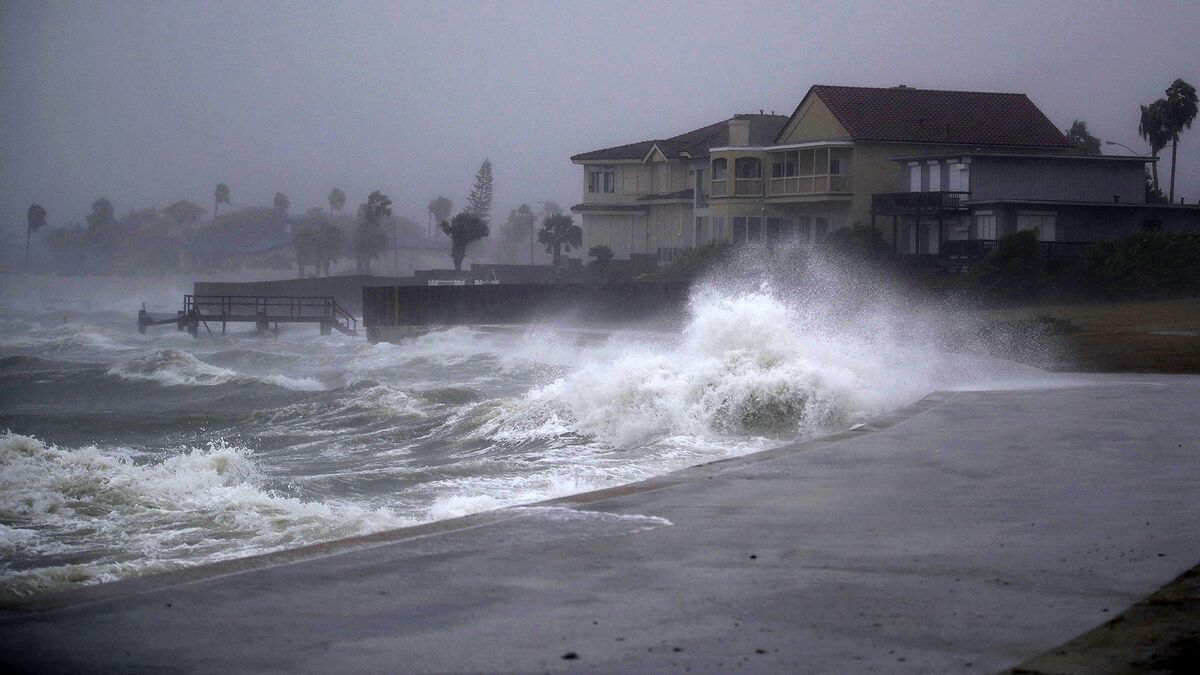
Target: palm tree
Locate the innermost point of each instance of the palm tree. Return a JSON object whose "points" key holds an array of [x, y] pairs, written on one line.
{"points": [[369, 237], [36, 219], [281, 203], [560, 232], [439, 212], [1180, 112], [337, 199], [220, 196], [1153, 128]]}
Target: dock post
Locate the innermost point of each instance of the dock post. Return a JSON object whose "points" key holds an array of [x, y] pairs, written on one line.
{"points": [[143, 319], [326, 328], [262, 325]]}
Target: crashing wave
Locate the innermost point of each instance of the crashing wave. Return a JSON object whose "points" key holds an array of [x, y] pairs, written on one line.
{"points": [[175, 367], [111, 515]]}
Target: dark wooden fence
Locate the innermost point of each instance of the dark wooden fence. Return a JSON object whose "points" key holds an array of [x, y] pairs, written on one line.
{"points": [[585, 304]]}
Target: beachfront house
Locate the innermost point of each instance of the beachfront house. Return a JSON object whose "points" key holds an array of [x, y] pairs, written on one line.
{"points": [[762, 177], [958, 205]]}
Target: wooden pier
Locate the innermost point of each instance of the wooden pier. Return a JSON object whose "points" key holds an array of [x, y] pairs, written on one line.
{"points": [[261, 310]]}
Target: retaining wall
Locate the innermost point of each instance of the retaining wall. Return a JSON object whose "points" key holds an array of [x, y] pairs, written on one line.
{"points": [[396, 311]]}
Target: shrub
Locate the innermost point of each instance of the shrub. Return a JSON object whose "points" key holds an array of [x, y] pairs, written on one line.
{"points": [[1014, 271], [1145, 264]]}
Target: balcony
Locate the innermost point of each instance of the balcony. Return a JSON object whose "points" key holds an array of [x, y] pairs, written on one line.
{"points": [[742, 187], [792, 186], [747, 187], [914, 203]]}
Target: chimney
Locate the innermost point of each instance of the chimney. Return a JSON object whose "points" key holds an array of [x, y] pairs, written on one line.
{"points": [[739, 132]]}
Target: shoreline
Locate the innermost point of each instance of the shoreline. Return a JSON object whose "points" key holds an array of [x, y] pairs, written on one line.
{"points": [[817, 555]]}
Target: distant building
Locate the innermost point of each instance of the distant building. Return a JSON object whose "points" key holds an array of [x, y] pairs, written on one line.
{"points": [[185, 212]]}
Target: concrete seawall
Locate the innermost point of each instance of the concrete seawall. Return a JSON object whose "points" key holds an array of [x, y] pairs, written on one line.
{"points": [[394, 312], [969, 532]]}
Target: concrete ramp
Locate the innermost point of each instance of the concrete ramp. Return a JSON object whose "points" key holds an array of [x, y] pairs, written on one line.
{"points": [[967, 533]]}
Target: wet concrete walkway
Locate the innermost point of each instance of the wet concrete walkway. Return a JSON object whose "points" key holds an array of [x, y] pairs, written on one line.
{"points": [[969, 532]]}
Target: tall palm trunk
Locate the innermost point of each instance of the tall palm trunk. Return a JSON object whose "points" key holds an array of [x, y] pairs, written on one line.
{"points": [[28, 233], [1174, 148], [1154, 169]]}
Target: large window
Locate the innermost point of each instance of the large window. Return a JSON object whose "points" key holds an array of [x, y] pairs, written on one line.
{"points": [[747, 167], [720, 167], [1042, 221], [935, 177], [698, 236], [602, 179], [718, 228], [960, 177], [985, 225], [914, 177]]}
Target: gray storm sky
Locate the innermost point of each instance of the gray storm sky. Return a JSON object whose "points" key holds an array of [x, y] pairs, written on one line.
{"points": [[149, 102]]}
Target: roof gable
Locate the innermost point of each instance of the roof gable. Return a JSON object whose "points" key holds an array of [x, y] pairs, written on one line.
{"points": [[904, 114], [692, 144], [812, 121]]}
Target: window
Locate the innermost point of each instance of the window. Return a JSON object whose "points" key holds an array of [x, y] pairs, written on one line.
{"points": [[739, 228], [774, 230], [935, 177], [719, 168], [747, 167], [985, 225], [602, 179], [698, 236], [835, 166], [804, 229], [718, 229], [754, 228], [914, 177], [1042, 221], [960, 177], [700, 186], [821, 228]]}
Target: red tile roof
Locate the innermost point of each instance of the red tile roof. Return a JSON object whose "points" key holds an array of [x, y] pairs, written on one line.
{"points": [[906, 114], [696, 143]]}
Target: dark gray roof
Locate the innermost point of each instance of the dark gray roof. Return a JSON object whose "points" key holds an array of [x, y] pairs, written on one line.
{"points": [[695, 143]]}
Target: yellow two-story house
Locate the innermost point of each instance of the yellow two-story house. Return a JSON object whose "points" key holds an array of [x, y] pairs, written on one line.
{"points": [[763, 177]]}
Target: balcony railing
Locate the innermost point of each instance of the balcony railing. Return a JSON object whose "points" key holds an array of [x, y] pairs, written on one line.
{"points": [[808, 185], [747, 187], [718, 188], [903, 203], [977, 248]]}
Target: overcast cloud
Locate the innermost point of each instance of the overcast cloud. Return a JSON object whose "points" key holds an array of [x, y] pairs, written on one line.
{"points": [[149, 102]]}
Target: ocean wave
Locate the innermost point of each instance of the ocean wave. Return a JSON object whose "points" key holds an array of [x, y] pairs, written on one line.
{"points": [[112, 516], [746, 366], [175, 367]]}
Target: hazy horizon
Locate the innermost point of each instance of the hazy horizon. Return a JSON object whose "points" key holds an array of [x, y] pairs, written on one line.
{"points": [[146, 103]]}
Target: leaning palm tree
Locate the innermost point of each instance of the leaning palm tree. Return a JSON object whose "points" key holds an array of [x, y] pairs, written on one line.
{"points": [[337, 199], [35, 220], [1180, 111], [439, 212], [220, 196], [1153, 128]]}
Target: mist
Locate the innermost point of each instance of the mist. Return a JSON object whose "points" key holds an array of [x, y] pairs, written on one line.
{"points": [[146, 103]]}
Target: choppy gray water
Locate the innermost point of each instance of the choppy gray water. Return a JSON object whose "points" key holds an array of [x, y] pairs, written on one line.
{"points": [[126, 454]]}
